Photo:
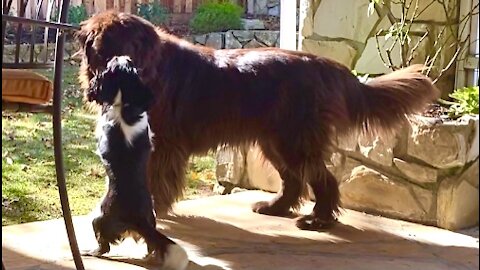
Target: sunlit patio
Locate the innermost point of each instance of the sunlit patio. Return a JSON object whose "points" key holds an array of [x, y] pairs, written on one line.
{"points": [[221, 232]]}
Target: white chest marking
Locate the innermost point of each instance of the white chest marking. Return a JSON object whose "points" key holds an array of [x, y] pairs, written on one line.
{"points": [[114, 115]]}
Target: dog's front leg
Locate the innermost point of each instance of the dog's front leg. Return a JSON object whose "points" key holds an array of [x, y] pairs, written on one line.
{"points": [[103, 244], [166, 171], [103, 248]]}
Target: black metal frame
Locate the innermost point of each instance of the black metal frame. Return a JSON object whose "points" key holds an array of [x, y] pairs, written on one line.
{"points": [[61, 28]]}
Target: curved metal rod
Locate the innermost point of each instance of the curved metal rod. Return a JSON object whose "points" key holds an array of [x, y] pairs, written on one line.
{"points": [[57, 139]]}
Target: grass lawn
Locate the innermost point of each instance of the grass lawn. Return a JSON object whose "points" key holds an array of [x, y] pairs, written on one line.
{"points": [[29, 191]]}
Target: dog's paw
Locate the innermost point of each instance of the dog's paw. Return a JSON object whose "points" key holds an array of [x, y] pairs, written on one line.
{"points": [[314, 223], [93, 253], [266, 209], [174, 258]]}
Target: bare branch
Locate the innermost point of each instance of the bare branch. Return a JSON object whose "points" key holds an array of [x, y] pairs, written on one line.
{"points": [[447, 66], [412, 52], [432, 61], [401, 32], [390, 61], [377, 43]]}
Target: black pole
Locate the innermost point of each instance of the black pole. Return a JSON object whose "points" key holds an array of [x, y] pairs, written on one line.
{"points": [[57, 138]]}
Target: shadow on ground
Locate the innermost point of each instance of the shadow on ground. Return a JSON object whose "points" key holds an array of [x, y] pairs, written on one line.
{"points": [[220, 232]]}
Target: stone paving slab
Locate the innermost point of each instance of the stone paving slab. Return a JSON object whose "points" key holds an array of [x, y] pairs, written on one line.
{"points": [[220, 232]]}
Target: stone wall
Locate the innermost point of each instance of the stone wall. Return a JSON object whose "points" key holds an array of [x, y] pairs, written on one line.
{"points": [[232, 39], [40, 52], [263, 7], [428, 173], [341, 29], [235, 39]]}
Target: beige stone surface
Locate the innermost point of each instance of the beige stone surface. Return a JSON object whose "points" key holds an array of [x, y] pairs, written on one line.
{"points": [[306, 13], [261, 173], [269, 38], [230, 165], [231, 42], [471, 174], [415, 172], [434, 13], [457, 202], [253, 44], [442, 146], [369, 190], [344, 19], [220, 232], [214, 40], [370, 62], [202, 39], [343, 170], [242, 35], [474, 141], [338, 50], [348, 142], [377, 149], [253, 24]]}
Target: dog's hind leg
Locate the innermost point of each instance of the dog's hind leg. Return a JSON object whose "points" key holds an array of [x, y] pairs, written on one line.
{"points": [[297, 167], [168, 253], [327, 196], [291, 190], [153, 224]]}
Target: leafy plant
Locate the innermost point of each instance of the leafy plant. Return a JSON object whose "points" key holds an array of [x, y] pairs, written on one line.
{"points": [[153, 12], [466, 102], [77, 14], [399, 30], [216, 16], [371, 6]]}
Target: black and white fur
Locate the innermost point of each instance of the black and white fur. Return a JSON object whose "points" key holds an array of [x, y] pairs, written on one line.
{"points": [[124, 145]]}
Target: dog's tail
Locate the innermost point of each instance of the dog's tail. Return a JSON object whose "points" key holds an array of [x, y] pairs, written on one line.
{"points": [[383, 103]]}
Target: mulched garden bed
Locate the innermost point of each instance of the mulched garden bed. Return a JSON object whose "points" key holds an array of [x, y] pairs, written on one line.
{"points": [[435, 111]]}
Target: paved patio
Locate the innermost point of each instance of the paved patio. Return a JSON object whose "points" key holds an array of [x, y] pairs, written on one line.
{"points": [[220, 232]]}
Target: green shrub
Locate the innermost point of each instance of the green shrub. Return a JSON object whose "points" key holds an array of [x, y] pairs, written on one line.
{"points": [[465, 102], [153, 12], [216, 16], [77, 14]]}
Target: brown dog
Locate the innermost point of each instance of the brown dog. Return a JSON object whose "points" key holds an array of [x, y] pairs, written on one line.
{"points": [[288, 102]]}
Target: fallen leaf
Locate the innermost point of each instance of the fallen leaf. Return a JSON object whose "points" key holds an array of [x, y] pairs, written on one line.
{"points": [[9, 160]]}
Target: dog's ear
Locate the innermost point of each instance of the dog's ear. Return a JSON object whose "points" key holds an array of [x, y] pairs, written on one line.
{"points": [[105, 86], [143, 96], [81, 34], [134, 92], [85, 37]]}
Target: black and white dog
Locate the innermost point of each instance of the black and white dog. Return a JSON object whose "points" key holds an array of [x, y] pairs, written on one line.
{"points": [[124, 145]]}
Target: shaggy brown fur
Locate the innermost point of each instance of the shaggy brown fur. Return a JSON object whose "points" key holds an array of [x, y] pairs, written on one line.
{"points": [[288, 102]]}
